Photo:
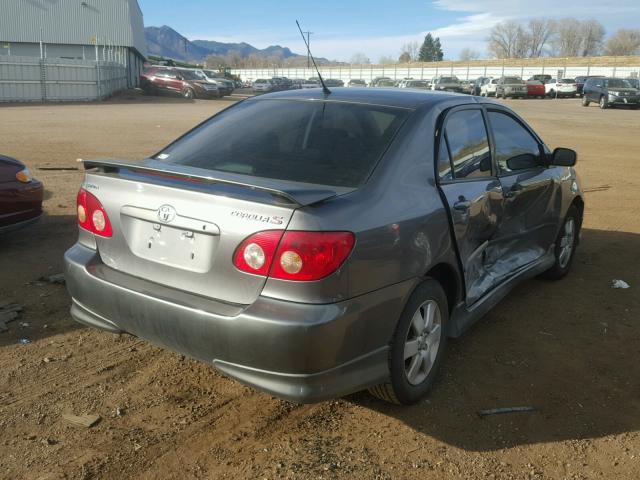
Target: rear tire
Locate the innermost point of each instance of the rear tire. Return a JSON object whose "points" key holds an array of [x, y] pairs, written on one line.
{"points": [[566, 244], [417, 347], [189, 94], [585, 101]]}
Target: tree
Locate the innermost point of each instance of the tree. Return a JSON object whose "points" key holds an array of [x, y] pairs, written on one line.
{"points": [[404, 57], [431, 50], [439, 55], [467, 54], [624, 42], [540, 32], [574, 38], [505, 39], [410, 52], [360, 59]]}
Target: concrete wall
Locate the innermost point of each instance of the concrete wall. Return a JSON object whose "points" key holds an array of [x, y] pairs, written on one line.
{"points": [[31, 79], [368, 72]]}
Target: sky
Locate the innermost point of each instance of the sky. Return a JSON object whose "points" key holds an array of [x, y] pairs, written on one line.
{"points": [[374, 27]]}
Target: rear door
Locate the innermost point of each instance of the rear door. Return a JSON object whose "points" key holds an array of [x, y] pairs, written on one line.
{"points": [[531, 196], [473, 194]]}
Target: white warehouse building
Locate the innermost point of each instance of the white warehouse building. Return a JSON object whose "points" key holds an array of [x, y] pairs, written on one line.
{"points": [[110, 31]]}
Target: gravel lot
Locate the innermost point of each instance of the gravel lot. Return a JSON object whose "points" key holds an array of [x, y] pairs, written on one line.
{"points": [[570, 349]]}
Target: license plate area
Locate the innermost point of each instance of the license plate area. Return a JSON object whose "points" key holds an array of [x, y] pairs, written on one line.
{"points": [[176, 246]]}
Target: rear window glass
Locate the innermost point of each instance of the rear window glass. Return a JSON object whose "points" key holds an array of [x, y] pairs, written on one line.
{"points": [[325, 143], [512, 80]]}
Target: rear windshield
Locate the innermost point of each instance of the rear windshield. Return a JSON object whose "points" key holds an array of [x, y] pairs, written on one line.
{"points": [[512, 80], [449, 80], [326, 143], [567, 80]]}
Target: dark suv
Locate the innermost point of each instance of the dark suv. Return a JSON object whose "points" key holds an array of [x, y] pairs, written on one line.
{"points": [[182, 82], [582, 79], [609, 92]]}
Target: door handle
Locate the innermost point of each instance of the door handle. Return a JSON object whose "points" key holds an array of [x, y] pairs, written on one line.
{"points": [[514, 190], [462, 205]]}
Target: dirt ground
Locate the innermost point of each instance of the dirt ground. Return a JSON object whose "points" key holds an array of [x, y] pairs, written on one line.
{"points": [[571, 349]]}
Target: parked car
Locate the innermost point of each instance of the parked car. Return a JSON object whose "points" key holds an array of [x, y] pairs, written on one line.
{"points": [[281, 83], [511, 87], [477, 85], [263, 85], [535, 88], [384, 83], [180, 82], [489, 86], [634, 82], [374, 82], [420, 84], [541, 77], [324, 248], [565, 87], [20, 195], [468, 86], [610, 92], [209, 77], [231, 85], [311, 83], [333, 82], [447, 84], [356, 82], [580, 81]]}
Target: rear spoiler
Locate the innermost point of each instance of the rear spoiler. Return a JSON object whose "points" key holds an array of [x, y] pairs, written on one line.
{"points": [[296, 193]]}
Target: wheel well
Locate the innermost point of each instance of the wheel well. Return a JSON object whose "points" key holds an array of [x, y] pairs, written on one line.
{"points": [[579, 204], [448, 278]]}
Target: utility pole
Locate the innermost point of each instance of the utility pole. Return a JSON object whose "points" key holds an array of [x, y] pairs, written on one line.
{"points": [[308, 49]]}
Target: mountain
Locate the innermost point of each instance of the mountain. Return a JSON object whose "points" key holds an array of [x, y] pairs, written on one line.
{"points": [[166, 42]]}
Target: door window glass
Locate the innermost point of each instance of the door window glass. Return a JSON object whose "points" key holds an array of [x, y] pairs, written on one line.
{"points": [[468, 145], [515, 147]]}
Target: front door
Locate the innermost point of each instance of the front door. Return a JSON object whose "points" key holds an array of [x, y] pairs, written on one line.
{"points": [[473, 194], [529, 221]]}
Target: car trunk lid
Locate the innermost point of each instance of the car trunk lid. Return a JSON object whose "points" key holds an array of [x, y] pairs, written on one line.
{"points": [[179, 226]]}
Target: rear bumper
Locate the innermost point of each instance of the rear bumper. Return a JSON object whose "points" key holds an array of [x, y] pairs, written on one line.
{"points": [[299, 352]]}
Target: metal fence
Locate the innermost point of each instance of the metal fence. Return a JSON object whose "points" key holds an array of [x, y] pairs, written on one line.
{"points": [[463, 72], [33, 79]]}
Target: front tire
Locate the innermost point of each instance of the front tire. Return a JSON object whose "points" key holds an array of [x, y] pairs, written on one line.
{"points": [[189, 94], [566, 244], [417, 347], [604, 103]]}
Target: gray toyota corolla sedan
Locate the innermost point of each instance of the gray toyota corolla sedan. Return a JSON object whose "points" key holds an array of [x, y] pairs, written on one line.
{"points": [[313, 245]]}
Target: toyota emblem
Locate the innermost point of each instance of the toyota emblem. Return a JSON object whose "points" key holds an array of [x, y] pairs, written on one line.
{"points": [[166, 213]]}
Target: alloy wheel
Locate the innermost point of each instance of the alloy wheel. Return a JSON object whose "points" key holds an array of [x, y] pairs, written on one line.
{"points": [[422, 342], [567, 242]]}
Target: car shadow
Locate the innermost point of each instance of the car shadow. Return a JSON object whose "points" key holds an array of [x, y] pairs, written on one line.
{"points": [[28, 257], [569, 349]]}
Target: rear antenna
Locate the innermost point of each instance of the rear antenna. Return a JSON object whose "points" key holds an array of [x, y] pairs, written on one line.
{"points": [[324, 87]]}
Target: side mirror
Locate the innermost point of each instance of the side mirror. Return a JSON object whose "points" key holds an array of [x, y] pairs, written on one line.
{"points": [[523, 162], [564, 157]]}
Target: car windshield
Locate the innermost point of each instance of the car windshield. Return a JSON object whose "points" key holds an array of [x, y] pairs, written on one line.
{"points": [[448, 80], [358, 82], [617, 83], [417, 84], [512, 80], [260, 80], [567, 80], [326, 143]]}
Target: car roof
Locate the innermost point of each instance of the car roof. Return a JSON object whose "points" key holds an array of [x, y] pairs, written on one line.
{"points": [[391, 97]]}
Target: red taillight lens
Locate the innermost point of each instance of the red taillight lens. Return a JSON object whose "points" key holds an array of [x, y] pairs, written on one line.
{"points": [[255, 254], [306, 256], [296, 255], [92, 215]]}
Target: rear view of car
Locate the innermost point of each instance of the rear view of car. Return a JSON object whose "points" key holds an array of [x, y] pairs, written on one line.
{"points": [[535, 88], [20, 195], [510, 87], [214, 247], [356, 82]]}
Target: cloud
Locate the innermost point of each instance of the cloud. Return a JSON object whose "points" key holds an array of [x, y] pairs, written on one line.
{"points": [[474, 20]]}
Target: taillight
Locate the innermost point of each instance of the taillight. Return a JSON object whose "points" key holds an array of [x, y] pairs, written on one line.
{"points": [[296, 255], [92, 215]]}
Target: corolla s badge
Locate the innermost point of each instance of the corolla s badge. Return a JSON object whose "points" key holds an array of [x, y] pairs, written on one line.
{"points": [[166, 213]]}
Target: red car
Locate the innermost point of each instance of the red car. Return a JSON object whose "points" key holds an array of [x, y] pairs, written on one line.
{"points": [[20, 195], [535, 89], [177, 81]]}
